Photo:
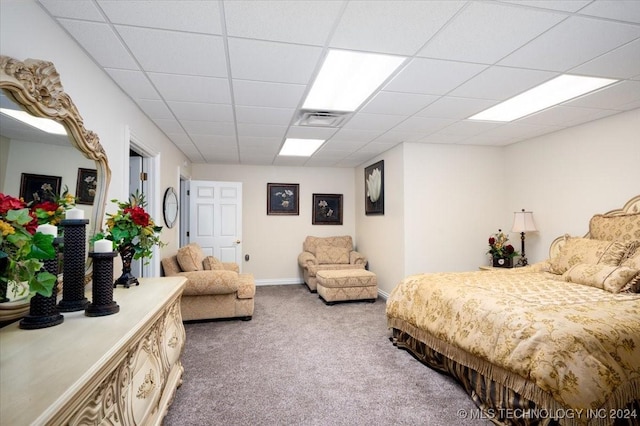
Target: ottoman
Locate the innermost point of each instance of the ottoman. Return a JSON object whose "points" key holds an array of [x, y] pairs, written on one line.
{"points": [[343, 285]]}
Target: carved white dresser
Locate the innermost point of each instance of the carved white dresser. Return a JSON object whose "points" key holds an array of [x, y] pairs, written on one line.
{"points": [[121, 369]]}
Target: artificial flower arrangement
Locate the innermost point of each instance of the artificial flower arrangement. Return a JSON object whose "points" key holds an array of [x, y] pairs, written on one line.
{"points": [[132, 227], [53, 208], [22, 249], [498, 247]]}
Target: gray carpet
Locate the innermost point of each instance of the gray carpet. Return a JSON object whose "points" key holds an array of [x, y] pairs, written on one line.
{"points": [[301, 362]]}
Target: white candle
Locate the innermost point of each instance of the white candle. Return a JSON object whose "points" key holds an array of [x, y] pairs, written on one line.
{"points": [[74, 213], [103, 246], [47, 229]]}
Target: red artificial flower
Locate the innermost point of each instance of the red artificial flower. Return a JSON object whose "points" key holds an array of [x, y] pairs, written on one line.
{"points": [[138, 215], [49, 206], [509, 249], [492, 241], [7, 202]]}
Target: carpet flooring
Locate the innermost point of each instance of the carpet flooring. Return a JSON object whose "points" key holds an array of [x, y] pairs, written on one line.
{"points": [[301, 362]]}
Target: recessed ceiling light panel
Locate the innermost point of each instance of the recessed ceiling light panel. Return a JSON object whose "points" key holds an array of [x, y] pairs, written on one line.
{"points": [[300, 147], [44, 124], [347, 79], [553, 92]]}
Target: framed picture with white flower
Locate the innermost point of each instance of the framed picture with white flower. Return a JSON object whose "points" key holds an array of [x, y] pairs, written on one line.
{"points": [[374, 188], [38, 188], [283, 199], [86, 186], [327, 209]]}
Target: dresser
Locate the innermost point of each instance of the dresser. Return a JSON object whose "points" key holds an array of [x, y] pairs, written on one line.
{"points": [[120, 369]]}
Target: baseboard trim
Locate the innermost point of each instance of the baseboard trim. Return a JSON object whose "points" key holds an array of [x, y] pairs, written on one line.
{"points": [[383, 294], [280, 281]]}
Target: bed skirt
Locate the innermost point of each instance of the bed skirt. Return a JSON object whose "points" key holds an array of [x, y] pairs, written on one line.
{"points": [[503, 405]]}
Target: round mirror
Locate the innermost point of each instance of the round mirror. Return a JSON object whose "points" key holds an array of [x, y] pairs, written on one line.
{"points": [[170, 207]]}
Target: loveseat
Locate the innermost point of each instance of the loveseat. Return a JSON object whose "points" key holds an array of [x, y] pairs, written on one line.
{"points": [[214, 289], [328, 253]]}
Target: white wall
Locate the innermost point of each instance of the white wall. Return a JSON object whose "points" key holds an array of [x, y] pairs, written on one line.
{"points": [[274, 242], [568, 176], [26, 31], [381, 237]]}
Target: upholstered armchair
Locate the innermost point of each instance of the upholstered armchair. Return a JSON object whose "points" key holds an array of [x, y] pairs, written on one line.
{"points": [[214, 289], [325, 253]]}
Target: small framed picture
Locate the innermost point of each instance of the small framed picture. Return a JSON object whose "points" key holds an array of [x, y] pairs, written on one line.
{"points": [[327, 209], [39, 188], [283, 199], [374, 188], [86, 186]]}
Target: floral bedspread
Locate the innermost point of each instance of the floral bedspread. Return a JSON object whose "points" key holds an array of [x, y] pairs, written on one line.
{"points": [[579, 344]]}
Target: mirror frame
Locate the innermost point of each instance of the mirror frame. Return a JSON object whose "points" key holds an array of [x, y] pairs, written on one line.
{"points": [[35, 85], [170, 197]]}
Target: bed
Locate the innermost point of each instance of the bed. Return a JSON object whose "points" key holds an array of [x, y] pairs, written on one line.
{"points": [[556, 342]]}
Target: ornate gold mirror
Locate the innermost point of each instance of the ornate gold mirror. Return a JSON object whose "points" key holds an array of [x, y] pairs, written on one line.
{"points": [[35, 86]]}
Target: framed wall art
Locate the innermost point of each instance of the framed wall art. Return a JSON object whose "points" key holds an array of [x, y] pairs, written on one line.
{"points": [[283, 199], [327, 209], [39, 187], [374, 188], [86, 186]]}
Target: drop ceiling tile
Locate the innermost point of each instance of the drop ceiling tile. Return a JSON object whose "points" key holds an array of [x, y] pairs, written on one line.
{"points": [[309, 132], [101, 42], [615, 97], [176, 52], [188, 88], [455, 108], [258, 142], [396, 137], [305, 22], [566, 116], [289, 161], [276, 95], [622, 10], [376, 122], [432, 76], [180, 138], [264, 130], [269, 61], [73, 9], [354, 135], [345, 144], [208, 128], [397, 103], [467, 128], [391, 26], [486, 32], [623, 62], [201, 111], [168, 125], [560, 5], [192, 16], [443, 138], [215, 141], [222, 158], [572, 43], [501, 83], [258, 115], [155, 108], [423, 125], [134, 83]]}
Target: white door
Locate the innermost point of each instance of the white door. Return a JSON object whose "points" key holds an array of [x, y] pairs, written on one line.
{"points": [[136, 183], [215, 219]]}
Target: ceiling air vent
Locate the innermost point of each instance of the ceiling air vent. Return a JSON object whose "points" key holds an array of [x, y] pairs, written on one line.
{"points": [[321, 118]]}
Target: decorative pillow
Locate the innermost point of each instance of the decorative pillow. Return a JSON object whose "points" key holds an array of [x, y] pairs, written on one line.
{"points": [[329, 254], [633, 260], [624, 227], [212, 263], [190, 258], [587, 250], [610, 278]]}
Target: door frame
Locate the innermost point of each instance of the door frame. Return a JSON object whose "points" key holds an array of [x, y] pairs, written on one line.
{"points": [[151, 163]]}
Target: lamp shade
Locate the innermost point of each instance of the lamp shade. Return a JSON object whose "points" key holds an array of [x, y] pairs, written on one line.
{"points": [[523, 222]]}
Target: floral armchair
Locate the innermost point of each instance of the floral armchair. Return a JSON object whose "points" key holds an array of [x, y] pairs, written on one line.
{"points": [[328, 253], [214, 289]]}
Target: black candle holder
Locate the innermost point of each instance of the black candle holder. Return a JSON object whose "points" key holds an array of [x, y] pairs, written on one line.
{"points": [[102, 287], [43, 311], [73, 269]]}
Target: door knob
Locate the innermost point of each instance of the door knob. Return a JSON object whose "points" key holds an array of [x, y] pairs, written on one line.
{"points": [[237, 241]]}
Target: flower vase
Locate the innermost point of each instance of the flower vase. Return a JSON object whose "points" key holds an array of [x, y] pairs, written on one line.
{"points": [[126, 254], [503, 262]]}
